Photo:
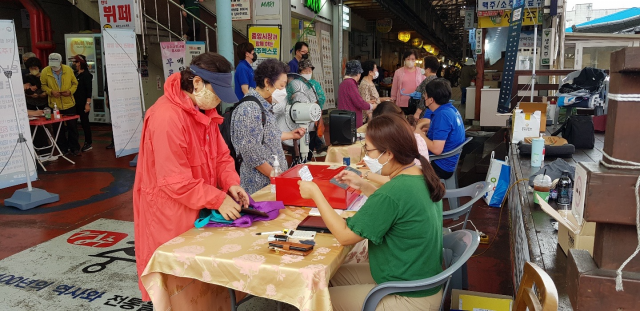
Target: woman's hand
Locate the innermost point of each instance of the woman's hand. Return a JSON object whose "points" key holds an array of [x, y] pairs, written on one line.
{"points": [[87, 108], [309, 190], [229, 209], [350, 178], [238, 194]]}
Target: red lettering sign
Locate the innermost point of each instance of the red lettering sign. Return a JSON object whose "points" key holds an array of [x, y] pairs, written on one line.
{"points": [[96, 238]]}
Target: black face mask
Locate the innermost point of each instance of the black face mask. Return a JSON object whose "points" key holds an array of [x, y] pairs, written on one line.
{"points": [[305, 56], [254, 58], [74, 67]]}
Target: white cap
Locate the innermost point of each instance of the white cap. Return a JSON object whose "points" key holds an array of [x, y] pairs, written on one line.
{"points": [[55, 61]]}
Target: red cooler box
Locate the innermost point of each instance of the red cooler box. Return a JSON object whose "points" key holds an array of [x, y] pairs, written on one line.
{"points": [[288, 191]]}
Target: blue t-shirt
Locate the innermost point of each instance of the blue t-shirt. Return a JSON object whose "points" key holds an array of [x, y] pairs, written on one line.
{"points": [[293, 65], [244, 75], [447, 125]]}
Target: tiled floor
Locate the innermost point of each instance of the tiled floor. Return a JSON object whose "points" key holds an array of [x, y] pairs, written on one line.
{"points": [[85, 199]]}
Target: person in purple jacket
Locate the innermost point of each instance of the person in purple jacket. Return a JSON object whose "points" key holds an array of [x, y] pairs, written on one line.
{"points": [[348, 95]]}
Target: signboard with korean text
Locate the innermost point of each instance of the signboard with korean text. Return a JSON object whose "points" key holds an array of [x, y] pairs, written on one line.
{"points": [[173, 54], [266, 7], [119, 14], [526, 40], [193, 49], [490, 13], [123, 78], [266, 40], [494, 5], [384, 25], [529, 18], [240, 10], [81, 46], [469, 19], [327, 67], [545, 53], [513, 40], [479, 41], [89, 268], [11, 156]]}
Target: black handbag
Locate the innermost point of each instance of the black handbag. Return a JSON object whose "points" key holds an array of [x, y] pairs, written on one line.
{"points": [[412, 107], [578, 131]]}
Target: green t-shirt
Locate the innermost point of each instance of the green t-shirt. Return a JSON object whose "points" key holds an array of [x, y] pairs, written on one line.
{"points": [[404, 228]]}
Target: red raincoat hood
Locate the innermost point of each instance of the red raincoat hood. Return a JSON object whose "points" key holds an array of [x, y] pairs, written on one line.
{"points": [[177, 96]]}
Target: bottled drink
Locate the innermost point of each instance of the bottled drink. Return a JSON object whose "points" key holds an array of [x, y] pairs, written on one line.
{"points": [[541, 186], [275, 172], [47, 113], [565, 190], [56, 112]]}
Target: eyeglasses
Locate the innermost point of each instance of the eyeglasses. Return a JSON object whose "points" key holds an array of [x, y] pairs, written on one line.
{"points": [[366, 151]]}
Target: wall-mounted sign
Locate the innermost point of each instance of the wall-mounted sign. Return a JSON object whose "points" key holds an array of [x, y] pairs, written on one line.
{"points": [[313, 5], [266, 7], [490, 13], [479, 41], [404, 36], [265, 39], [119, 14], [529, 18], [240, 10], [469, 19], [545, 54], [492, 5], [384, 25]]}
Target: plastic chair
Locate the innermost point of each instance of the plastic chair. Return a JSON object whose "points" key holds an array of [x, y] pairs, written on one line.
{"points": [[452, 182], [475, 191], [457, 249], [546, 298]]}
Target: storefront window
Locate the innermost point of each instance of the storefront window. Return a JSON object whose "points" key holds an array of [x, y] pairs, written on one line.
{"points": [[598, 57], [569, 57], [298, 26]]}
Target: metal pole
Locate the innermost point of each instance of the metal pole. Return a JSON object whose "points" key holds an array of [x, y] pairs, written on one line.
{"points": [[168, 16], [224, 29], [206, 33], [155, 4], [181, 29], [193, 26], [143, 27], [21, 140]]}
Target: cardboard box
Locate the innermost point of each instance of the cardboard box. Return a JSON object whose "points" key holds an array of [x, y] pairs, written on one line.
{"points": [[533, 107], [468, 300], [571, 235], [625, 60], [492, 76], [288, 191]]}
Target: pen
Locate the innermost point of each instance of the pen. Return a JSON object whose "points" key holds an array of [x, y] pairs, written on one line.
{"points": [[270, 232]]}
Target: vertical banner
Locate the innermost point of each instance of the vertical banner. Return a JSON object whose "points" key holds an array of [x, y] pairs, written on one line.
{"points": [[193, 49], [545, 53], [119, 14], [513, 40], [479, 41], [327, 67], [11, 152], [469, 18], [316, 59], [124, 89], [240, 10], [266, 40], [172, 57]]}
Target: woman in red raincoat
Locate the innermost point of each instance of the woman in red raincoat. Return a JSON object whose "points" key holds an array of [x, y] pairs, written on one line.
{"points": [[184, 164]]}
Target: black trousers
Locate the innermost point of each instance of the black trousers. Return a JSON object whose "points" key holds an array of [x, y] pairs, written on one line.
{"points": [[68, 138], [440, 172], [84, 121]]}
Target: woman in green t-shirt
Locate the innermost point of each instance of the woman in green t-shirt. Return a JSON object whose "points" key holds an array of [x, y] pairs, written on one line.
{"points": [[402, 220]]}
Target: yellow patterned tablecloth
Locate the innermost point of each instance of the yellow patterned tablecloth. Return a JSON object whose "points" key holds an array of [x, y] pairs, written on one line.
{"points": [[187, 272]]}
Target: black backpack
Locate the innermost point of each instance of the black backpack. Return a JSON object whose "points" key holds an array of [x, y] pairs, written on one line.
{"points": [[578, 130], [225, 128]]}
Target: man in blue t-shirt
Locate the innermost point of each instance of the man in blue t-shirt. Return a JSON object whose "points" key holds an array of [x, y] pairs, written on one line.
{"points": [[300, 52], [243, 79], [446, 129]]}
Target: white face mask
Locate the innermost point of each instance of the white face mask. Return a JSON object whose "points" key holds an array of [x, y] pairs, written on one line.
{"points": [[422, 71], [205, 98], [279, 96], [373, 164], [410, 63], [376, 75], [307, 75]]}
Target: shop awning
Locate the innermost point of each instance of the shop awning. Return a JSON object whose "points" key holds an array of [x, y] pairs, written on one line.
{"points": [[613, 23]]}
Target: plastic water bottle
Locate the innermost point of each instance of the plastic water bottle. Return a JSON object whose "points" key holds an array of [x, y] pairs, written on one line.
{"points": [[275, 172], [537, 152], [565, 191], [56, 112]]}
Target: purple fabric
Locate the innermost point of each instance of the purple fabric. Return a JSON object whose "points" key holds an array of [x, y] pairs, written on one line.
{"points": [[272, 208]]}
